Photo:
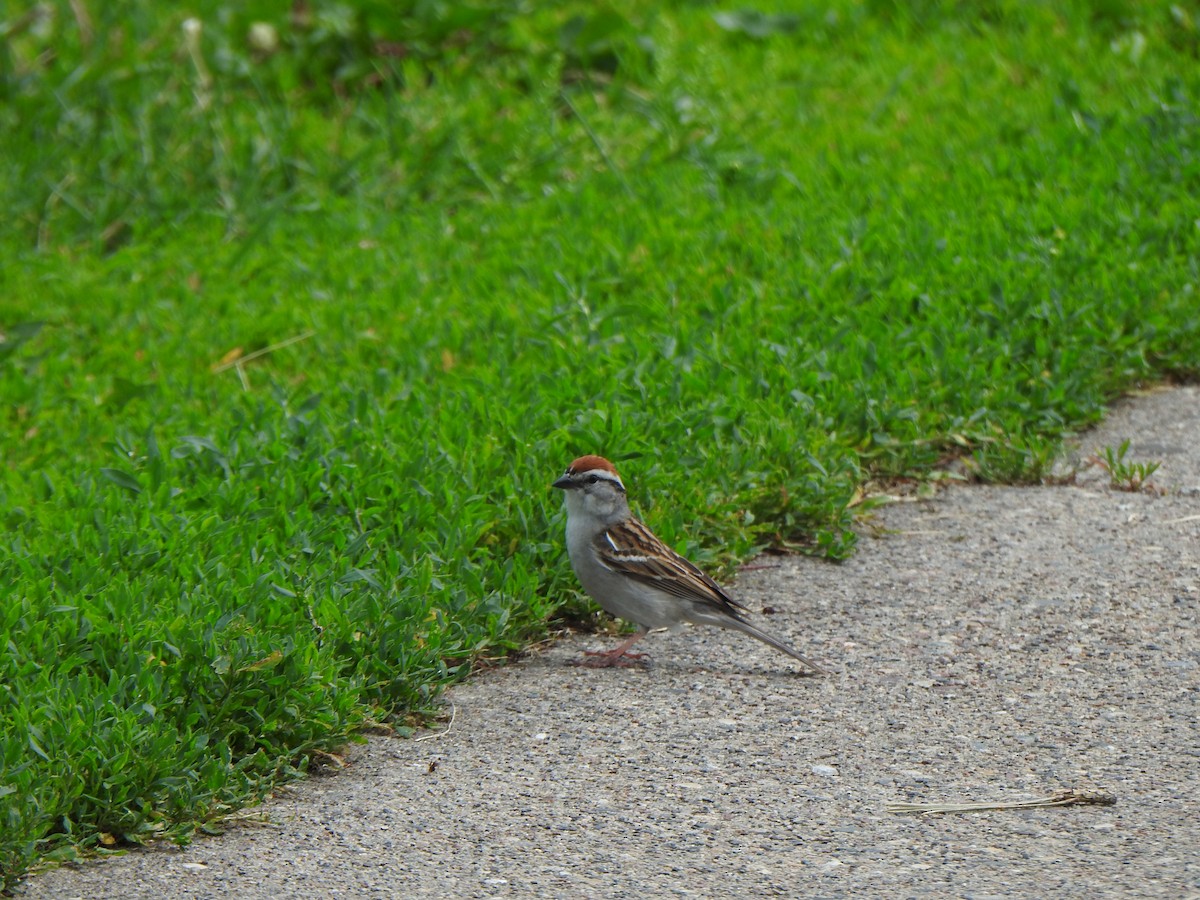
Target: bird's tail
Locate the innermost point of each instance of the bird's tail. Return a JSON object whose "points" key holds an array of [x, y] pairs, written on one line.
{"points": [[772, 641]]}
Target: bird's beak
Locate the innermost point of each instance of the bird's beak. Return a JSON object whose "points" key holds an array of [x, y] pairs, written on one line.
{"points": [[564, 484]]}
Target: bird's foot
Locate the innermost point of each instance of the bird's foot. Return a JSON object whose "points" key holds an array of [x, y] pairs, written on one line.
{"points": [[618, 657]]}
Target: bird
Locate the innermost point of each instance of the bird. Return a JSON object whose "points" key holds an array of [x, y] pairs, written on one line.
{"points": [[632, 574]]}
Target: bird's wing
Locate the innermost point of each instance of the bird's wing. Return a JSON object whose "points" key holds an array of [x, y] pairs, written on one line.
{"points": [[631, 549]]}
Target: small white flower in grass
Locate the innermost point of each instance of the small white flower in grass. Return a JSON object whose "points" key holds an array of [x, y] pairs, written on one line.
{"points": [[263, 37]]}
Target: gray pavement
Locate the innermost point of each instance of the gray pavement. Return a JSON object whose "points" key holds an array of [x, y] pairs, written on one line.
{"points": [[989, 644]]}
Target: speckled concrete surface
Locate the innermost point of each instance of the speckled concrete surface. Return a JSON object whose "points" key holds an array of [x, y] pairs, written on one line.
{"points": [[992, 643]]}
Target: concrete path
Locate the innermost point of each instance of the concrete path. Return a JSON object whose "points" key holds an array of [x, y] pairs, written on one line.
{"points": [[989, 644]]}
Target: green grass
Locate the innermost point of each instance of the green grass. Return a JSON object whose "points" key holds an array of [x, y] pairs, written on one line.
{"points": [[1123, 475], [758, 259]]}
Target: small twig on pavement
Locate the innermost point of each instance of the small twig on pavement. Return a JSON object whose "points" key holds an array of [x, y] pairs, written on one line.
{"points": [[1069, 797], [445, 731], [1181, 520]]}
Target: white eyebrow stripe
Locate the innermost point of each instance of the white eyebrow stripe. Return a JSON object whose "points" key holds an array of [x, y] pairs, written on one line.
{"points": [[607, 476]]}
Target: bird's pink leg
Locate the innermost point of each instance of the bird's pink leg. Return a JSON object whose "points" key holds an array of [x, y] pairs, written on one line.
{"points": [[618, 656]]}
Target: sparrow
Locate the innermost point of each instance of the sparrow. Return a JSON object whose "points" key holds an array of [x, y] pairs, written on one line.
{"points": [[632, 574]]}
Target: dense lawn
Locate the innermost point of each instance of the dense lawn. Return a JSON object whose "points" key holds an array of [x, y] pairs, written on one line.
{"points": [[298, 323]]}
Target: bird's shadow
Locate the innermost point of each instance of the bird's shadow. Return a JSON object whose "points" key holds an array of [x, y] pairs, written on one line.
{"points": [[664, 664]]}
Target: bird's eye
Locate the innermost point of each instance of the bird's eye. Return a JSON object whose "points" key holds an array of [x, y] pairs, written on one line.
{"points": [[592, 479]]}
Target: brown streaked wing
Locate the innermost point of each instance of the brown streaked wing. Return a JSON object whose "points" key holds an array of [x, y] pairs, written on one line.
{"points": [[631, 549]]}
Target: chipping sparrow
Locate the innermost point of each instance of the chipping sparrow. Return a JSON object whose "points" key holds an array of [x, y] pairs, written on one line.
{"points": [[634, 575]]}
